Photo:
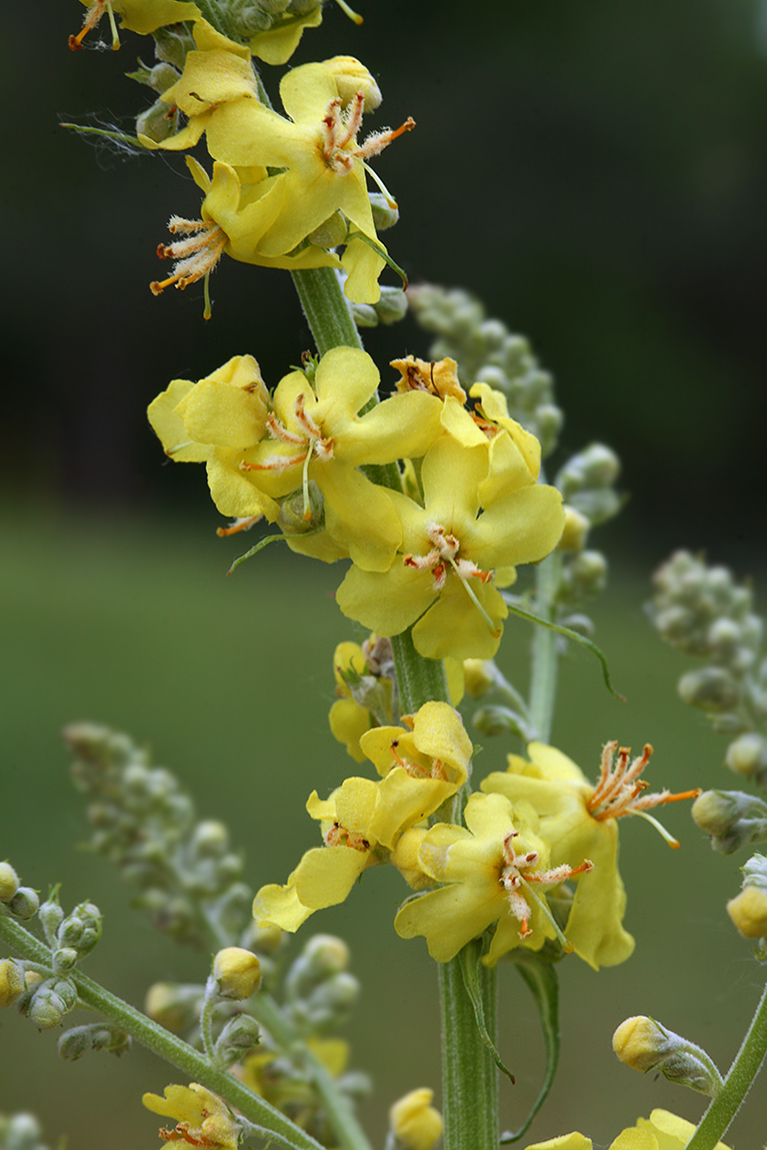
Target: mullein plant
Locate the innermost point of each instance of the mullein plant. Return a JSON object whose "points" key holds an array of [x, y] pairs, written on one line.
{"points": [[434, 498]]}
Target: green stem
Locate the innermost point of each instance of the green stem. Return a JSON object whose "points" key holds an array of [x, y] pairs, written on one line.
{"points": [[195, 1067], [326, 309], [346, 1128], [469, 1074], [543, 679], [737, 1083]]}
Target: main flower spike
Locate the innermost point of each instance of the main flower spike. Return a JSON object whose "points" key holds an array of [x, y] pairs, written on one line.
{"points": [[203, 1119], [443, 579], [142, 16], [580, 821], [662, 1131], [491, 870]]}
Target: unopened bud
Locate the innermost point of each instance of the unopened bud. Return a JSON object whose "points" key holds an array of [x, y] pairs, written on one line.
{"points": [[710, 689], [575, 531], [9, 882], [81, 929], [415, 1123], [96, 1036], [176, 1007], [351, 77], [64, 959], [644, 1044], [24, 904], [50, 1002], [747, 756], [392, 305], [589, 572], [210, 839], [157, 122], [236, 972], [332, 232], [497, 720], [325, 954], [478, 677], [748, 910], [240, 1034], [12, 984], [51, 917], [731, 818], [384, 215]]}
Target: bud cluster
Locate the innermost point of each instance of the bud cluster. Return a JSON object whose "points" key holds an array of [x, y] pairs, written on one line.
{"points": [[96, 1036], [70, 936], [144, 822], [487, 351], [703, 612]]}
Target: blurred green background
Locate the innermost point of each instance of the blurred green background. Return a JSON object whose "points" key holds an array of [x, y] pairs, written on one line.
{"points": [[597, 174]]}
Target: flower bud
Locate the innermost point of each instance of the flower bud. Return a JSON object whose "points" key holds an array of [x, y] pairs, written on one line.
{"points": [[21, 1132], [51, 1000], [415, 1123], [326, 955], [75, 1042], [24, 904], [176, 1007], [240, 1034], [747, 756], [81, 929], [51, 917], [236, 972], [644, 1044], [384, 216], [589, 572], [64, 959], [9, 882], [351, 77], [497, 720], [575, 531], [156, 122], [710, 689], [731, 818], [478, 677], [329, 234], [12, 984]]}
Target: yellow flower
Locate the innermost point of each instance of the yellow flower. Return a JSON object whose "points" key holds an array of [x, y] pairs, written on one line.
{"points": [[362, 820], [661, 1131], [580, 821], [443, 579], [203, 1118], [322, 167], [278, 43], [218, 72], [142, 16], [490, 868], [317, 434], [214, 421]]}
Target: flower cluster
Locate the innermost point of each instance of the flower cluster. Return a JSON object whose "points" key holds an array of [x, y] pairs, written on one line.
{"points": [[433, 557], [528, 831], [286, 190]]}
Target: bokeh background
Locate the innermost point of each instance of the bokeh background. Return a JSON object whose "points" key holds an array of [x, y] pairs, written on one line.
{"points": [[597, 175]]}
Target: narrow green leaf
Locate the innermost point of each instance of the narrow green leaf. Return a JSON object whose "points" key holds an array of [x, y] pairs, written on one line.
{"points": [[121, 137], [469, 958], [267, 539], [541, 978], [568, 634]]}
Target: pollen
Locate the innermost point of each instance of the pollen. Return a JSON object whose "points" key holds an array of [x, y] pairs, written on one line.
{"points": [[512, 880]]}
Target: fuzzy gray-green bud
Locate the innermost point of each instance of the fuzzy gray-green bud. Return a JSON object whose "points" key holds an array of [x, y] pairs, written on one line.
{"points": [[24, 904], [51, 1000], [292, 518], [643, 1044], [78, 1040], [240, 1035], [81, 929], [51, 917], [497, 720], [384, 215], [747, 757], [709, 689], [20, 1131], [731, 818], [158, 122]]}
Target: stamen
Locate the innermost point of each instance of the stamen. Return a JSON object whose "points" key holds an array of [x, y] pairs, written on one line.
{"points": [[352, 120], [236, 525], [196, 256], [274, 463], [92, 17], [617, 793], [377, 141], [494, 631]]}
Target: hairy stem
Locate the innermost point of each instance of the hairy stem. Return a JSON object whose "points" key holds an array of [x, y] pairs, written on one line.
{"points": [[543, 681], [326, 309], [194, 1066]]}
